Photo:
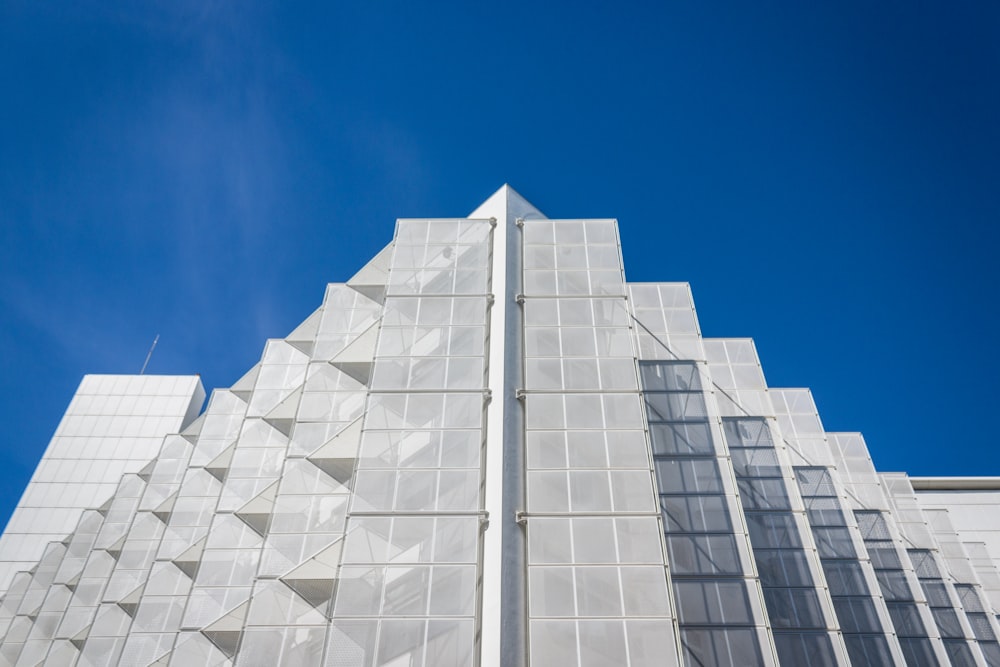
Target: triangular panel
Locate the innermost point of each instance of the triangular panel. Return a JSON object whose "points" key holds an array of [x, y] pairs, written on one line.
{"points": [[219, 466], [338, 456], [372, 278], [303, 338], [257, 513], [226, 632], [190, 559], [356, 359], [244, 386], [282, 416]]}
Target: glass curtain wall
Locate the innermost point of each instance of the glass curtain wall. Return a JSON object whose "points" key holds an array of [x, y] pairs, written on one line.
{"points": [[979, 620], [715, 604], [790, 593], [938, 597], [897, 590], [853, 600]]}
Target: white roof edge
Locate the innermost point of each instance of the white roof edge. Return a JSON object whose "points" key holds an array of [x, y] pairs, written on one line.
{"points": [[955, 483], [658, 282]]}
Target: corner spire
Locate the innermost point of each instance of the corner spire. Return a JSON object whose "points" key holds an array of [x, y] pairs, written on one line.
{"points": [[507, 204]]}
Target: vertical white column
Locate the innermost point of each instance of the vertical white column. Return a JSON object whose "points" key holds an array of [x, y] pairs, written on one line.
{"points": [[504, 608], [491, 616]]}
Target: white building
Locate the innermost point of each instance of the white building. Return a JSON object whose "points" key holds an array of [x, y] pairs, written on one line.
{"points": [[488, 449], [114, 425]]}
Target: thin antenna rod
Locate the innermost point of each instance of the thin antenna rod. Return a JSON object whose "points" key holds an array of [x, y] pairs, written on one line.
{"points": [[151, 348]]}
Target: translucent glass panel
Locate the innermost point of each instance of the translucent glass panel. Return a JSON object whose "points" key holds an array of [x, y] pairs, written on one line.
{"points": [[734, 365], [323, 404], [711, 592], [593, 591], [856, 606], [601, 642], [855, 468], [455, 448], [584, 411], [595, 540], [597, 586], [416, 490], [428, 312], [896, 589], [440, 257], [571, 258], [346, 313], [725, 646], [599, 614], [409, 566], [557, 449], [794, 603], [598, 313], [283, 646], [713, 602], [666, 323], [617, 572], [555, 374], [737, 374], [424, 411], [955, 558], [590, 491], [436, 339], [418, 569], [431, 343], [435, 468], [282, 371], [573, 340], [578, 344], [389, 642], [799, 420]]}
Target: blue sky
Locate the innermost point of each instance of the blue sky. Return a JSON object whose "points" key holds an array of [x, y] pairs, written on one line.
{"points": [[825, 175]]}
